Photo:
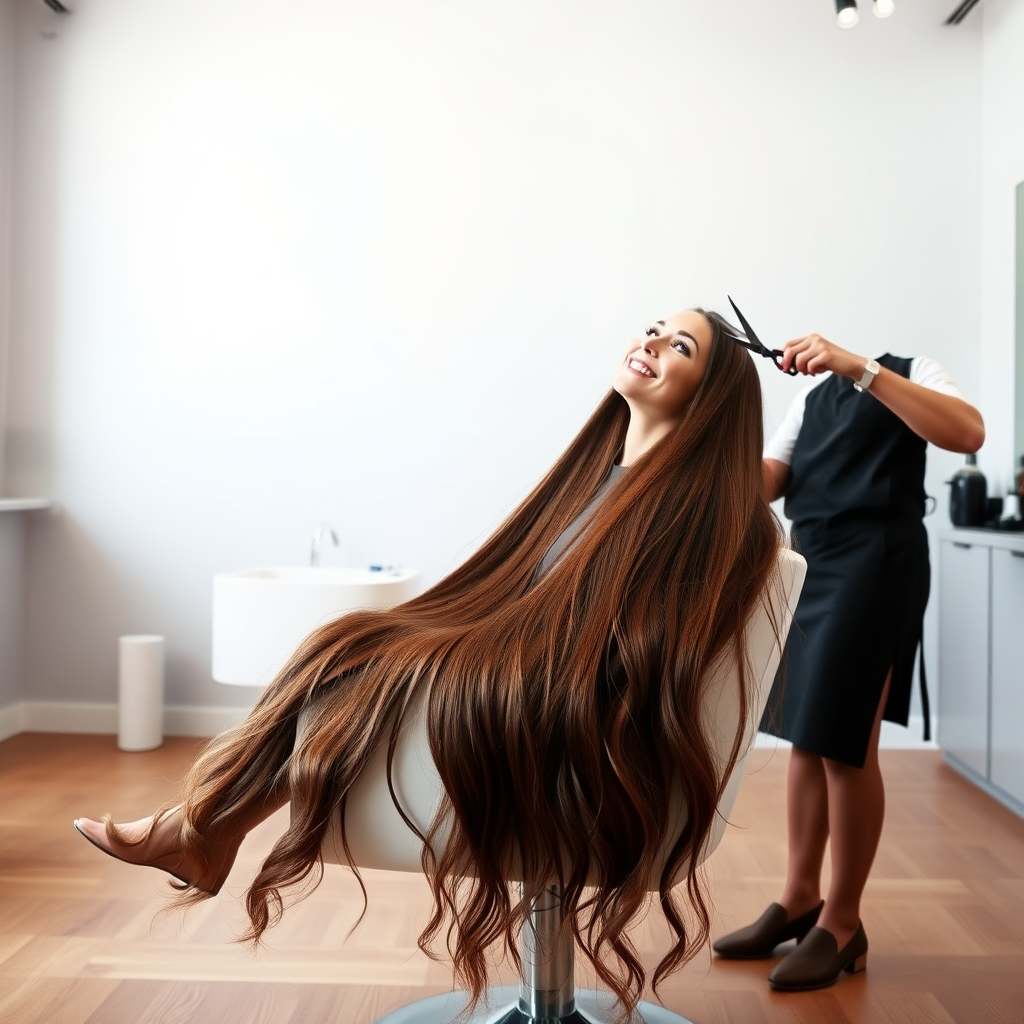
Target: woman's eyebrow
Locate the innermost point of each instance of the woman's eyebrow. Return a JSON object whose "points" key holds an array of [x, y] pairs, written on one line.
{"points": [[685, 334]]}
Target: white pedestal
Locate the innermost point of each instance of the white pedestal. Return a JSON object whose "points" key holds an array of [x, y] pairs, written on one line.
{"points": [[140, 692]]}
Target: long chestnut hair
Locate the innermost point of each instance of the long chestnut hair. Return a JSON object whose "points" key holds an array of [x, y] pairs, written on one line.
{"points": [[563, 710]]}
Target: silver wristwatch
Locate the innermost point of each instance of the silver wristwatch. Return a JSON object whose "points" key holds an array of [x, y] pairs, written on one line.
{"points": [[870, 373]]}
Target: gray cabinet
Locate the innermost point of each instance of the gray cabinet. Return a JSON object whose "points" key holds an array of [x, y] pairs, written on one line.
{"points": [[963, 653], [981, 659], [1006, 749]]}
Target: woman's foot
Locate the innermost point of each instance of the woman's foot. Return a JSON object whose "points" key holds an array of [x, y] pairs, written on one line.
{"points": [[758, 940], [157, 846], [817, 962]]}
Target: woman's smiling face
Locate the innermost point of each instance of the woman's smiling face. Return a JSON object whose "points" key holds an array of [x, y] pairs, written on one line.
{"points": [[663, 369]]}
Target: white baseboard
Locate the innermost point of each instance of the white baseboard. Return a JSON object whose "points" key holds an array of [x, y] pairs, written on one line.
{"points": [[186, 721], [12, 720], [910, 736], [894, 737], [60, 716]]}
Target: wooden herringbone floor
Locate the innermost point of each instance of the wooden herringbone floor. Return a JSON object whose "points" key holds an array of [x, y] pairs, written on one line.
{"points": [[80, 942]]}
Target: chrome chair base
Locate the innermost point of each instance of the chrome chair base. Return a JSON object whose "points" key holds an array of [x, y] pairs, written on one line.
{"points": [[502, 1007]]}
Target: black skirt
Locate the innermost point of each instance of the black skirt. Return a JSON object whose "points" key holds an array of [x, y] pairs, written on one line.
{"points": [[860, 613]]}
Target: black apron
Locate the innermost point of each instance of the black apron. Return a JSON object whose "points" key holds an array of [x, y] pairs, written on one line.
{"points": [[856, 498]]}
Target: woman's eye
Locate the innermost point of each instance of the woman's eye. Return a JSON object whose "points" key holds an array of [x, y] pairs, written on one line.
{"points": [[680, 346], [652, 332]]}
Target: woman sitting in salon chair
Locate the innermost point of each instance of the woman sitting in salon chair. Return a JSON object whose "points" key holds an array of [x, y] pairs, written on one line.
{"points": [[562, 671]]}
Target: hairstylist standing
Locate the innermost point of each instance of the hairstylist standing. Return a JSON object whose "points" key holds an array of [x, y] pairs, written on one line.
{"points": [[849, 459]]}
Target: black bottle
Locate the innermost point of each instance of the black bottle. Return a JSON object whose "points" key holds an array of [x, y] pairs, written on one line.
{"points": [[967, 497]]}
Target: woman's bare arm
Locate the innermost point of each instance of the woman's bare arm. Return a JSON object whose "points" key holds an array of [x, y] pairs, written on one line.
{"points": [[944, 420]]}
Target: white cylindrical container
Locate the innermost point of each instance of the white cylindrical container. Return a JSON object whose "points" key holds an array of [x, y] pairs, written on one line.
{"points": [[140, 692]]}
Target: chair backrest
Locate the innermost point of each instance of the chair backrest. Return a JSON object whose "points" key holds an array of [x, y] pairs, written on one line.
{"points": [[379, 838]]}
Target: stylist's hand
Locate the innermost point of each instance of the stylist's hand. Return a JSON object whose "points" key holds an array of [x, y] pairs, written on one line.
{"points": [[814, 354]]}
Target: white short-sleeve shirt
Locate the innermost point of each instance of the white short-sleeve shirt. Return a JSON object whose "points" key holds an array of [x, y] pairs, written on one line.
{"points": [[924, 370]]}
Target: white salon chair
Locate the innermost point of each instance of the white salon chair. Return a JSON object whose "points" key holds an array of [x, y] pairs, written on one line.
{"points": [[379, 838]]}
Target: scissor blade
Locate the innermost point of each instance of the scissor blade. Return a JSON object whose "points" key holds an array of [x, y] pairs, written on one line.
{"points": [[747, 329]]}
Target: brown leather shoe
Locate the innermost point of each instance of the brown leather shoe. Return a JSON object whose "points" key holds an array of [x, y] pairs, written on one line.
{"points": [[758, 940], [817, 962], [156, 846]]}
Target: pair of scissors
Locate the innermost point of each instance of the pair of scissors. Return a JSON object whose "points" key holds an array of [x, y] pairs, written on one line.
{"points": [[755, 344]]}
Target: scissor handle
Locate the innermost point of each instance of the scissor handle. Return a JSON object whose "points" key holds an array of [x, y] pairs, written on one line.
{"points": [[777, 355]]}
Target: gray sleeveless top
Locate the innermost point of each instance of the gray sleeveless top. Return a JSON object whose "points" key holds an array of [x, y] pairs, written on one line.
{"points": [[568, 535]]}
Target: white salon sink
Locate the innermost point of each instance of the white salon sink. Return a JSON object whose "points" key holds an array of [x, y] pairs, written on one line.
{"points": [[261, 615]]}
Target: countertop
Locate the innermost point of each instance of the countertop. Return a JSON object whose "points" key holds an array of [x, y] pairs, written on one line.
{"points": [[24, 504], [1006, 540]]}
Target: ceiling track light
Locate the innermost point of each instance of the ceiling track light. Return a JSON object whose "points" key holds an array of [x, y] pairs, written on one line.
{"points": [[846, 13], [883, 8]]}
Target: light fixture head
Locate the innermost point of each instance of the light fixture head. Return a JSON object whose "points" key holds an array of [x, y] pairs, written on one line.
{"points": [[847, 13], [883, 8]]}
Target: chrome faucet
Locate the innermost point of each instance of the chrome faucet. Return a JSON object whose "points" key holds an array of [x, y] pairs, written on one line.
{"points": [[318, 536]]}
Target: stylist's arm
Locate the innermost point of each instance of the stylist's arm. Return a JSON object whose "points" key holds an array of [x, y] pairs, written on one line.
{"points": [[776, 476], [945, 421]]}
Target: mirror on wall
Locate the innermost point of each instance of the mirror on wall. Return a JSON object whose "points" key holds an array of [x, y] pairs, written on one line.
{"points": [[1018, 405]]}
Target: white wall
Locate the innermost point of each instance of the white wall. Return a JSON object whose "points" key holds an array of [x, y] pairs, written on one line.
{"points": [[12, 577], [7, 26], [372, 263], [1002, 171]]}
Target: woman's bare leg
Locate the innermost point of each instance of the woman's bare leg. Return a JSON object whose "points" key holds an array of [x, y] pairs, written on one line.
{"points": [[807, 831], [856, 810]]}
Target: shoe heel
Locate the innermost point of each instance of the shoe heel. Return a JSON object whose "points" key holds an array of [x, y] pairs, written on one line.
{"points": [[855, 966]]}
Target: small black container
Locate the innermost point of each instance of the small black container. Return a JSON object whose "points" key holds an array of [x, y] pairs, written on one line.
{"points": [[967, 499]]}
